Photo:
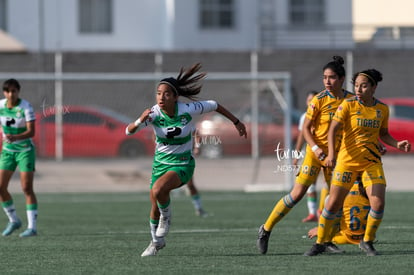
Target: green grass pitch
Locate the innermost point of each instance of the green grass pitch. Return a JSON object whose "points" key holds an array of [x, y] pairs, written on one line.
{"points": [[93, 233]]}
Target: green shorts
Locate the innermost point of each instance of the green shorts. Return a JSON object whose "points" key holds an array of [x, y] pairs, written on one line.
{"points": [[25, 160], [184, 172]]}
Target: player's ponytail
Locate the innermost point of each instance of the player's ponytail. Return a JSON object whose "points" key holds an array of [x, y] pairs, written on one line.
{"points": [[187, 82]]}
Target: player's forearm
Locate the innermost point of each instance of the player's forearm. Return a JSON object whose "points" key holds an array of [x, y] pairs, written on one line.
{"points": [[308, 136], [388, 139], [134, 127], [299, 142], [138, 124], [331, 141], [333, 129], [24, 135], [29, 133], [221, 110]]}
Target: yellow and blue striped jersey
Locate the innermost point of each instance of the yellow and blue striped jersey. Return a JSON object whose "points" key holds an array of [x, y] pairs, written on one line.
{"points": [[355, 213], [361, 128], [320, 111]]}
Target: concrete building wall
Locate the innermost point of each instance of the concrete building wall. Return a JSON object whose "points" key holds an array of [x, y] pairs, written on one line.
{"points": [[168, 25]]}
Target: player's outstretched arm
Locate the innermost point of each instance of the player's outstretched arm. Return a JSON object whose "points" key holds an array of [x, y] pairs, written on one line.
{"points": [[402, 145], [241, 129], [333, 129]]}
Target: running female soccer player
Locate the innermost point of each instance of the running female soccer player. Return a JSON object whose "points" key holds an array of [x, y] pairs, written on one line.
{"points": [[173, 126], [364, 120]]}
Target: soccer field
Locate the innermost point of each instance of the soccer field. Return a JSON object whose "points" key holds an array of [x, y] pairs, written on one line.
{"points": [[106, 234]]}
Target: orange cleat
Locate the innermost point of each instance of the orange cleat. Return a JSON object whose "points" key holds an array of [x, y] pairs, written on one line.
{"points": [[310, 218]]}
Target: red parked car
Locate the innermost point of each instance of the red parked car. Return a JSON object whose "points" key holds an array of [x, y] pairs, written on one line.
{"points": [[91, 132], [401, 120]]}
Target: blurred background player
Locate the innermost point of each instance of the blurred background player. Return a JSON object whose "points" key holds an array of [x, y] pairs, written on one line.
{"points": [[18, 125], [196, 199], [194, 194]]}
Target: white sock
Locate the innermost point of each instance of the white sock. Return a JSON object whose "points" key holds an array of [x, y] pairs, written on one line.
{"points": [[153, 235], [10, 211], [165, 212], [196, 200], [311, 206], [311, 200], [32, 219]]}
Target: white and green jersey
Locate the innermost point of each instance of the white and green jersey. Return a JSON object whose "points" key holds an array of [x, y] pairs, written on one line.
{"points": [[174, 134], [13, 121]]}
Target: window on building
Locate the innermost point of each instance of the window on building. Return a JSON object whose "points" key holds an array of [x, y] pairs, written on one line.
{"points": [[3, 15], [217, 14], [307, 12], [95, 16]]}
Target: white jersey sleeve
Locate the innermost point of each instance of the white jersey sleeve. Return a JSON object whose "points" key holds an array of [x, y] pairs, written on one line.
{"points": [[29, 112], [201, 107]]}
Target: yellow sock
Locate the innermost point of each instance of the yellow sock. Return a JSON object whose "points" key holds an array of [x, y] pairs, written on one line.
{"points": [[323, 195], [282, 207], [373, 222], [326, 221], [336, 226]]}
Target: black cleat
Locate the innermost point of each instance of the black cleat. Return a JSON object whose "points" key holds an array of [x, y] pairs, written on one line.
{"points": [[332, 248], [316, 249], [263, 239], [368, 248]]}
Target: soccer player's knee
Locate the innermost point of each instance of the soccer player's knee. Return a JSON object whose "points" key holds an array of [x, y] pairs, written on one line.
{"points": [[297, 194], [27, 190], [160, 190], [3, 189], [377, 203], [378, 206], [156, 190]]}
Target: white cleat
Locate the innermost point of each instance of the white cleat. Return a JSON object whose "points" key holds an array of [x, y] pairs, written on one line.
{"points": [[163, 227], [153, 248]]}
